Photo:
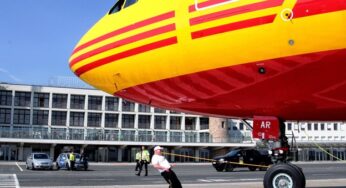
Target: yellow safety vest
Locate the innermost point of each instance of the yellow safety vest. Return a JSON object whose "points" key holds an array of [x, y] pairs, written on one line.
{"points": [[72, 157], [138, 156], [145, 155]]}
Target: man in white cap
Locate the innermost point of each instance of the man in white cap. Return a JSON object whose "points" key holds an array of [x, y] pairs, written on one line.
{"points": [[162, 165]]}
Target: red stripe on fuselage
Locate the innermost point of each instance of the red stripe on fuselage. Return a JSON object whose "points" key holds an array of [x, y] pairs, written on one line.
{"points": [[235, 11], [125, 29], [305, 8], [233, 26], [129, 40], [125, 54], [208, 3]]}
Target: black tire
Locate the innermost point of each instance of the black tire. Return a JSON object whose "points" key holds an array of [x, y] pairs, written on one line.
{"points": [[229, 168], [300, 171], [284, 173], [252, 168], [32, 166], [220, 168], [27, 166]]}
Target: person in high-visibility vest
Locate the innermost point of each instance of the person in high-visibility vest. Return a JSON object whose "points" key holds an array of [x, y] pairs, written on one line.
{"points": [[145, 159], [72, 159], [138, 160]]}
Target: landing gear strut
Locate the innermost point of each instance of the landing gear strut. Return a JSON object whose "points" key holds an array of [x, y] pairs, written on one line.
{"points": [[282, 174]]}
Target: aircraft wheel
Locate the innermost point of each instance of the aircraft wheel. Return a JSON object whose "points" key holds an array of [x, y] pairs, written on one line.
{"points": [[300, 171], [283, 176]]}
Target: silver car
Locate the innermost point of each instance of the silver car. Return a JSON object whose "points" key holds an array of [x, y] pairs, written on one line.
{"points": [[39, 161]]}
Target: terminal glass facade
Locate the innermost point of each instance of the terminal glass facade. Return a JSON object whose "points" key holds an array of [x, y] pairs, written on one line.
{"points": [[111, 129]]}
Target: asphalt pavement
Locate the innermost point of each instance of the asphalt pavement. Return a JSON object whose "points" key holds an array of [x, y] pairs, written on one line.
{"points": [[192, 175]]}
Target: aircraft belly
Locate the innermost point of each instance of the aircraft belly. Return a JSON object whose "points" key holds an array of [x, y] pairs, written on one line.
{"points": [[290, 92]]}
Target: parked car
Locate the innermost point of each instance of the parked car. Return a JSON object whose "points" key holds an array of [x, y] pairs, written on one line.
{"points": [[63, 162], [39, 161], [242, 157]]}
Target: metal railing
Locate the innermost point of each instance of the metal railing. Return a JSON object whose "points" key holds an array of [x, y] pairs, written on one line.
{"points": [[92, 134]]}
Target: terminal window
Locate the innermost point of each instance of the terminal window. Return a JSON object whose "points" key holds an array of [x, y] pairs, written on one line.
{"points": [[160, 122], [40, 117], [5, 115], [94, 102], [175, 123], [144, 121], [111, 120], [128, 121], [41, 100], [112, 103], [22, 99], [77, 101], [77, 119], [94, 119], [5, 98], [190, 123], [128, 106], [59, 117], [21, 116], [59, 101]]}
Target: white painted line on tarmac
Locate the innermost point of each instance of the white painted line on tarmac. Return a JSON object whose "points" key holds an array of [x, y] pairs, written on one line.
{"points": [[20, 168], [16, 179], [9, 181], [96, 179], [215, 180]]}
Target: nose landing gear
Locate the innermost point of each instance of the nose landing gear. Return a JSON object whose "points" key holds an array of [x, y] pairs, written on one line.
{"points": [[282, 174]]}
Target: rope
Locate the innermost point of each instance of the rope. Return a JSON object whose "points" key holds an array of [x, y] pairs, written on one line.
{"points": [[322, 149], [212, 160]]}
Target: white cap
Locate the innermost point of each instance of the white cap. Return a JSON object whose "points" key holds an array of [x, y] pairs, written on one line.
{"points": [[158, 148]]}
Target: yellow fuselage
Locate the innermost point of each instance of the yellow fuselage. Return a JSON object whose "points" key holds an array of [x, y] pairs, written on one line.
{"points": [[182, 42]]}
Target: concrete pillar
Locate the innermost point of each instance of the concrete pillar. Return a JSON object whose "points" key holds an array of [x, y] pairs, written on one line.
{"points": [[197, 154], [173, 156], [120, 154], [52, 148], [21, 152]]}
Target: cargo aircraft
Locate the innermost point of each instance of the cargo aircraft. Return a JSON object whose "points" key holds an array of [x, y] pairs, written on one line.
{"points": [[266, 60]]}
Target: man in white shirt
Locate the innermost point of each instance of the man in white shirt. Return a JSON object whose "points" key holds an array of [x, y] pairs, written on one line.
{"points": [[162, 165]]}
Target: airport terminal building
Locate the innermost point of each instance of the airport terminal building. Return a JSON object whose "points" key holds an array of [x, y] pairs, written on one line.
{"points": [[59, 119]]}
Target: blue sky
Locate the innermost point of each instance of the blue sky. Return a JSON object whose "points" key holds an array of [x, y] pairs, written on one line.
{"points": [[38, 36]]}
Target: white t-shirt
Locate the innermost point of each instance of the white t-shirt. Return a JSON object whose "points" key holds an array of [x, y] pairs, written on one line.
{"points": [[161, 160]]}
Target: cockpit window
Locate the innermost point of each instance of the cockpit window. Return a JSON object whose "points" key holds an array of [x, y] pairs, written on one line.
{"points": [[120, 4], [117, 7], [130, 2]]}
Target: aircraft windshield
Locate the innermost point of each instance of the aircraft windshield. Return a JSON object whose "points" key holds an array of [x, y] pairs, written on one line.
{"points": [[120, 3], [117, 7]]}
